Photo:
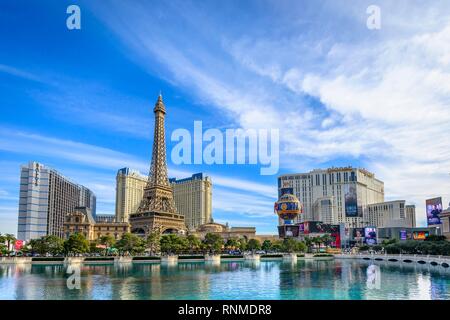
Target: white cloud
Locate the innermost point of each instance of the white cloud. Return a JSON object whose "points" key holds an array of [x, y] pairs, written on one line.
{"points": [[384, 95]]}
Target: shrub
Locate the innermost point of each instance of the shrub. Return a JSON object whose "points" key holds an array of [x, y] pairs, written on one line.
{"points": [[146, 258], [99, 259], [59, 259], [318, 255]]}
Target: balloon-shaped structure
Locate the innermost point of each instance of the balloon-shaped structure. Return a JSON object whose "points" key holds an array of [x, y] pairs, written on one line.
{"points": [[288, 207]]}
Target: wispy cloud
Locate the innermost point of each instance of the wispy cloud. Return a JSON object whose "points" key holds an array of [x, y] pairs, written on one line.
{"points": [[336, 89]]}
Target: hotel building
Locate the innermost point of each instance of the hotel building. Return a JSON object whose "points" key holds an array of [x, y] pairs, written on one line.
{"points": [[337, 195], [390, 214], [46, 197], [81, 221], [193, 196], [193, 199], [130, 186]]}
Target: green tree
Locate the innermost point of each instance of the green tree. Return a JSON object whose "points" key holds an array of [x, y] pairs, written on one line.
{"points": [[172, 243], [317, 241], [301, 247], [232, 244], [253, 245], [153, 241], [326, 240], [53, 244], [242, 244], [289, 245], [2, 244], [76, 244], [130, 243], [435, 238], [193, 243], [309, 244], [266, 245], [213, 242], [10, 240], [107, 241], [277, 246]]}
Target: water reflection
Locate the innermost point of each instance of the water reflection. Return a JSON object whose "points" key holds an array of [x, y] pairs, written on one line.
{"points": [[306, 279]]}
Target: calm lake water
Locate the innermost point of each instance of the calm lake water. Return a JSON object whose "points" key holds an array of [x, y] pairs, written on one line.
{"points": [[338, 279]]}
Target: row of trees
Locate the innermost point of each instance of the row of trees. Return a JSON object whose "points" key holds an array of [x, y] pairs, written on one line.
{"points": [[166, 244], [433, 245]]}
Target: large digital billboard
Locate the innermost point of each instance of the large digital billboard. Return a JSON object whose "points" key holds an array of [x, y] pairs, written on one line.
{"points": [[319, 227], [358, 233], [420, 235], [434, 208], [370, 235], [351, 202], [288, 231]]}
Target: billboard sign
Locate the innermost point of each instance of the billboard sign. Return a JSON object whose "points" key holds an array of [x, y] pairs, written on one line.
{"points": [[370, 235], [420, 235], [358, 233], [351, 202], [403, 235], [319, 227], [288, 231], [434, 208]]}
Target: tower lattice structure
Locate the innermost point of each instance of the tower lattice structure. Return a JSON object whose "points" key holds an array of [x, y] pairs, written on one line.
{"points": [[157, 209]]}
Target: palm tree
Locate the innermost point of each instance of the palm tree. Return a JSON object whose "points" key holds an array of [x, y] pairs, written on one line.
{"points": [[318, 241], [309, 242], [10, 239], [327, 239]]}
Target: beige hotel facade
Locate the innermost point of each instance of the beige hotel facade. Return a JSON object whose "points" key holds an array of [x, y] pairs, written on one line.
{"points": [[193, 196]]}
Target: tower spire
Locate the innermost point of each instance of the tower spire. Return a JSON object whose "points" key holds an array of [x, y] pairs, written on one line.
{"points": [[157, 208]]}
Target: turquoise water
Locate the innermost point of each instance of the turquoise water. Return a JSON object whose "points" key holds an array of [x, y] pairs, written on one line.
{"points": [[339, 279]]}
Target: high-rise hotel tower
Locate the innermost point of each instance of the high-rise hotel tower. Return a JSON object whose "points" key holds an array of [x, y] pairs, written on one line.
{"points": [[46, 197], [193, 199], [334, 195], [130, 186]]}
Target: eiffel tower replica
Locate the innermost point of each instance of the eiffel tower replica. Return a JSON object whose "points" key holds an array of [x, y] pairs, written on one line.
{"points": [[157, 211]]}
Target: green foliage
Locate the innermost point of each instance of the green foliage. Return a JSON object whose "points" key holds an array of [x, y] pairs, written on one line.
{"points": [[318, 255], [172, 243], [76, 244], [130, 243], [419, 247], [107, 241], [435, 238], [193, 243], [153, 242], [253, 245], [289, 245], [232, 243], [301, 247], [47, 244], [277, 246], [242, 244], [266, 245], [213, 243]]}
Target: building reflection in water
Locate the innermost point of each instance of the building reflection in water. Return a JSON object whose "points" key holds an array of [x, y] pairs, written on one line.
{"points": [[307, 279]]}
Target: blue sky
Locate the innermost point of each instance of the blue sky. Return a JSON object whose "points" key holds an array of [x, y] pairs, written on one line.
{"points": [[80, 101]]}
